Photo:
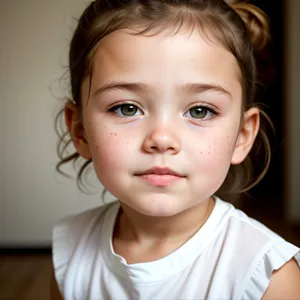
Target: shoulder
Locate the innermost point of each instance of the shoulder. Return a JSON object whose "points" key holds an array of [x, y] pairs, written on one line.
{"points": [[76, 224], [251, 233], [74, 233], [241, 231], [257, 255], [285, 282], [70, 229]]}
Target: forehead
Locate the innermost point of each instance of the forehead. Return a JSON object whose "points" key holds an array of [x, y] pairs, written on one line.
{"points": [[164, 59]]}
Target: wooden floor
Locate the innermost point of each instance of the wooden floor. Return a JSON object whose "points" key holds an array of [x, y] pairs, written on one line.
{"points": [[25, 276]]}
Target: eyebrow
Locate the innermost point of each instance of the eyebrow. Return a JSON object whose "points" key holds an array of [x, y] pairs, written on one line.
{"points": [[138, 87]]}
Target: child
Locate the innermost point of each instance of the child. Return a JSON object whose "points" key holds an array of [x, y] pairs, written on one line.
{"points": [[162, 104]]}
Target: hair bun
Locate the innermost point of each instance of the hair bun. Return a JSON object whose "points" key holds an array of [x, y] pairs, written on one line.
{"points": [[256, 21]]}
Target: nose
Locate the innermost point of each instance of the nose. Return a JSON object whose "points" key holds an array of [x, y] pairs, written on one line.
{"points": [[162, 140]]}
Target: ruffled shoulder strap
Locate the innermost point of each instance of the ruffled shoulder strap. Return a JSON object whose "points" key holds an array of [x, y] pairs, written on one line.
{"points": [[272, 258]]}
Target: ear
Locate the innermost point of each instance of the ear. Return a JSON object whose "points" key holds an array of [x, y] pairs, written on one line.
{"points": [[247, 135], [76, 130]]}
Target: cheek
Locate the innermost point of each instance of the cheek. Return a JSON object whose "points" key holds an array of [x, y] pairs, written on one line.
{"points": [[110, 157], [222, 148], [214, 145], [212, 158], [109, 151], [114, 154]]}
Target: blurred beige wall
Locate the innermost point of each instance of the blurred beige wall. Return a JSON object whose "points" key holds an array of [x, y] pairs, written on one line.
{"points": [[34, 37]]}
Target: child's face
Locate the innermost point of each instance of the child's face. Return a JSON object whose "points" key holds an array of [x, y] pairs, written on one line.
{"points": [[163, 77]]}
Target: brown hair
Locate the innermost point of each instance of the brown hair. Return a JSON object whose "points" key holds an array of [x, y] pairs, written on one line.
{"points": [[241, 28]]}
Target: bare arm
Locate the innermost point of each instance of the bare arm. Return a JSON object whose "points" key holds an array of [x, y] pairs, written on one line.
{"points": [[54, 291], [285, 283]]}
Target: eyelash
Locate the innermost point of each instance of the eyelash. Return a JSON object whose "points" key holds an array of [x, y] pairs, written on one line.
{"points": [[209, 108]]}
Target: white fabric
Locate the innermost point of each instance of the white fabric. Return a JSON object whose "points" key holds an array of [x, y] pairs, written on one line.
{"points": [[231, 257]]}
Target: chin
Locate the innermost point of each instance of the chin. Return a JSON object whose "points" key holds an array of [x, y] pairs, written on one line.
{"points": [[158, 205]]}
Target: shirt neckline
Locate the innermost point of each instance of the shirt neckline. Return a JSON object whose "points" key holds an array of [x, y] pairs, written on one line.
{"points": [[174, 262]]}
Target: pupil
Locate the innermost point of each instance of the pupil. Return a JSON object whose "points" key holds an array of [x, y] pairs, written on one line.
{"points": [[129, 110], [198, 112]]}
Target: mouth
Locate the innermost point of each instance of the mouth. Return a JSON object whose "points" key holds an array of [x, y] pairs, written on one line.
{"points": [[159, 176]]}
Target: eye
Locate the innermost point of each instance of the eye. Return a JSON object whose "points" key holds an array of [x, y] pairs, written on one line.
{"points": [[125, 110], [202, 112]]}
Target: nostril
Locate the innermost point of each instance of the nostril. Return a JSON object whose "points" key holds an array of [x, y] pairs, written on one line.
{"points": [[162, 148], [154, 148]]}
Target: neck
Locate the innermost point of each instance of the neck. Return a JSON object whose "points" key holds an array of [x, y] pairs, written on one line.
{"points": [[135, 227]]}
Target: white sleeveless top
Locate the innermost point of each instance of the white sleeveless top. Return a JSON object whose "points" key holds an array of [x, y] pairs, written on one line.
{"points": [[231, 257]]}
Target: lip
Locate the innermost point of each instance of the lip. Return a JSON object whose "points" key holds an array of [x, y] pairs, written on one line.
{"points": [[160, 176], [161, 171]]}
